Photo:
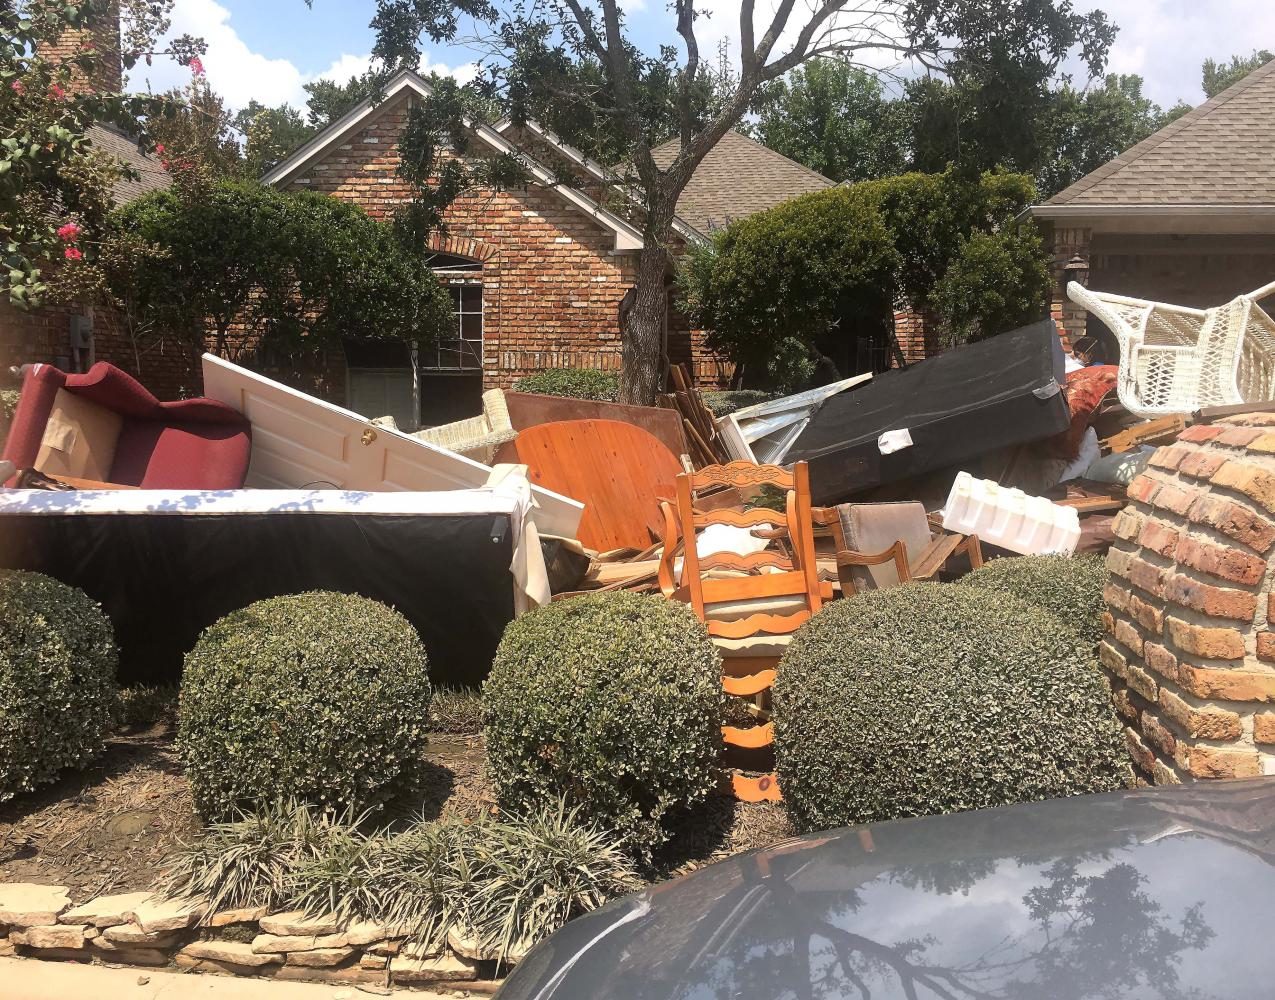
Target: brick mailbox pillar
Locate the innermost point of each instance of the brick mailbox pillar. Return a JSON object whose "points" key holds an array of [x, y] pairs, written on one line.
{"points": [[1190, 620]]}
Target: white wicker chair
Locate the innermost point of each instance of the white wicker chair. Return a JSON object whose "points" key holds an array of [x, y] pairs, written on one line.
{"points": [[478, 437], [1175, 360]]}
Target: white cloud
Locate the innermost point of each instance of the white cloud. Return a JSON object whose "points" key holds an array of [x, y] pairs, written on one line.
{"points": [[1165, 41], [239, 74]]}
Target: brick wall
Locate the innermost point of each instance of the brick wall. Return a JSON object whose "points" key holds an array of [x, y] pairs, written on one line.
{"points": [[1190, 621], [43, 336]]}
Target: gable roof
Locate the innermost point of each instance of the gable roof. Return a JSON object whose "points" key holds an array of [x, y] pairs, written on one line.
{"points": [[627, 236], [737, 178], [151, 175], [1217, 159]]}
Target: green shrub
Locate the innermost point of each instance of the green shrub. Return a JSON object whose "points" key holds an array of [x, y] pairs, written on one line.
{"points": [[8, 405], [323, 697], [143, 705], [934, 698], [57, 680], [724, 402], [1068, 587], [577, 383], [611, 700]]}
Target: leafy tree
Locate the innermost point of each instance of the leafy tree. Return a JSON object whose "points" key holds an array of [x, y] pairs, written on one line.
{"points": [[943, 242], [200, 134], [270, 135], [330, 100], [575, 61], [1088, 128], [775, 281], [835, 118], [246, 265], [55, 187], [1217, 77]]}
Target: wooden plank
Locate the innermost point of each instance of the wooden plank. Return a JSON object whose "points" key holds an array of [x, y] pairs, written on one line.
{"points": [[743, 588], [763, 788], [752, 738], [750, 684], [1145, 433], [753, 624], [617, 470]]}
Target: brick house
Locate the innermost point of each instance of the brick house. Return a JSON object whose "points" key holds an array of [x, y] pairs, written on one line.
{"points": [[536, 274], [1185, 216]]}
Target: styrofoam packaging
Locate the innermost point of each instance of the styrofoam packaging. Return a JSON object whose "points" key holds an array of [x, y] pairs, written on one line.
{"points": [[1010, 518]]}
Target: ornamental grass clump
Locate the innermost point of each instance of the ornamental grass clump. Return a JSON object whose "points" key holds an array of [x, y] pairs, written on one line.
{"points": [[501, 886], [612, 701], [58, 699], [1068, 587], [935, 698], [321, 697]]}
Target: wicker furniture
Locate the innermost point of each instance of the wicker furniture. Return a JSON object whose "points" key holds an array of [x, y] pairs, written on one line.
{"points": [[1174, 359]]}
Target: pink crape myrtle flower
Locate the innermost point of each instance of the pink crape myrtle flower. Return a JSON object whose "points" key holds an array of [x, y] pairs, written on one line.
{"points": [[57, 93], [69, 233], [196, 66], [71, 253], [18, 87]]}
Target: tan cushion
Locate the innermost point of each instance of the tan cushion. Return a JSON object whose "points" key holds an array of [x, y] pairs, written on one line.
{"points": [[726, 611], [79, 439], [871, 528]]}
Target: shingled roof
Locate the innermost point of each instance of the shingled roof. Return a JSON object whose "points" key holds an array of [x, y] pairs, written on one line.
{"points": [[152, 176], [737, 178], [1222, 154]]}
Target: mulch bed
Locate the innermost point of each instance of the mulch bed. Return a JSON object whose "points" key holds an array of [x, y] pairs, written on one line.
{"points": [[110, 827]]}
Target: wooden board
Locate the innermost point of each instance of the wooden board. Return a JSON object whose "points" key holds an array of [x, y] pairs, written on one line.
{"points": [[299, 441], [618, 471], [528, 409]]}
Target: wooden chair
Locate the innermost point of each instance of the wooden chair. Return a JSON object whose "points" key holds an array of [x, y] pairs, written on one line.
{"points": [[919, 550], [750, 604]]}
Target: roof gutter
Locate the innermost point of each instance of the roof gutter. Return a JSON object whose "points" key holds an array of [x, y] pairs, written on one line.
{"points": [[1047, 211]]}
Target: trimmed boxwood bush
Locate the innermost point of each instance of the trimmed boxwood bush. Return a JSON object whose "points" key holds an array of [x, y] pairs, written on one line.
{"points": [[934, 698], [317, 697], [1068, 587], [58, 698], [577, 383], [611, 700]]}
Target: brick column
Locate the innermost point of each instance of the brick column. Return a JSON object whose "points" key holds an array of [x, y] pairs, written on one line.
{"points": [[1190, 621], [1071, 318], [103, 35]]}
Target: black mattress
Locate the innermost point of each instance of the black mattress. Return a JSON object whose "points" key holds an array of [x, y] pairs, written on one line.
{"points": [[163, 578], [957, 406]]}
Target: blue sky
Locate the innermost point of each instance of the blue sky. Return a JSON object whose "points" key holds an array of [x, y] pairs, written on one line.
{"points": [[268, 49]]}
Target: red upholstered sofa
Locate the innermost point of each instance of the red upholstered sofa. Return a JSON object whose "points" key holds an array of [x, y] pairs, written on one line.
{"points": [[193, 444]]}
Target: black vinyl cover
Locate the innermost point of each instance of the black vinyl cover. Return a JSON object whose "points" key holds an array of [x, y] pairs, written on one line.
{"points": [[163, 578], [957, 406]]}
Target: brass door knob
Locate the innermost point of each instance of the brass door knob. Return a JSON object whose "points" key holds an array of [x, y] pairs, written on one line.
{"points": [[369, 436]]}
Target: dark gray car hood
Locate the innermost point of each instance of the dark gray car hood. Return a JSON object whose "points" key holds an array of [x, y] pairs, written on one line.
{"points": [[1157, 893]]}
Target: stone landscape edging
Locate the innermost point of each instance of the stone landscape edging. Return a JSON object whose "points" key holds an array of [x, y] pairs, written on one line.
{"points": [[140, 929]]}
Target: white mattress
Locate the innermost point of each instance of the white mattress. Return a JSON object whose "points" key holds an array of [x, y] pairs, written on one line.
{"points": [[214, 502]]}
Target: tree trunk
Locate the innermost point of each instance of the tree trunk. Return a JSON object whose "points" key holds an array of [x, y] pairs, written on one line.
{"points": [[643, 333]]}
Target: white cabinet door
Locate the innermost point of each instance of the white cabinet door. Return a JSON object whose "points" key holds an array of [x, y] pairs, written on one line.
{"points": [[299, 441]]}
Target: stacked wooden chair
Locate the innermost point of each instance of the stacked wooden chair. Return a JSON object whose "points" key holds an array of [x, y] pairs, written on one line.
{"points": [[750, 604]]}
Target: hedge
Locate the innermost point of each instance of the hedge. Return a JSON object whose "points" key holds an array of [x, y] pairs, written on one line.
{"points": [[1068, 587], [318, 697], [577, 383], [612, 701], [934, 698], [58, 698]]}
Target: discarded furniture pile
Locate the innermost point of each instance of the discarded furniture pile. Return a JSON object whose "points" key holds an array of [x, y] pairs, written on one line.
{"points": [[754, 519]]}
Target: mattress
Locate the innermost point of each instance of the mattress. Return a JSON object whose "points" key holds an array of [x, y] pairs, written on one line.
{"points": [[942, 412], [165, 564]]}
